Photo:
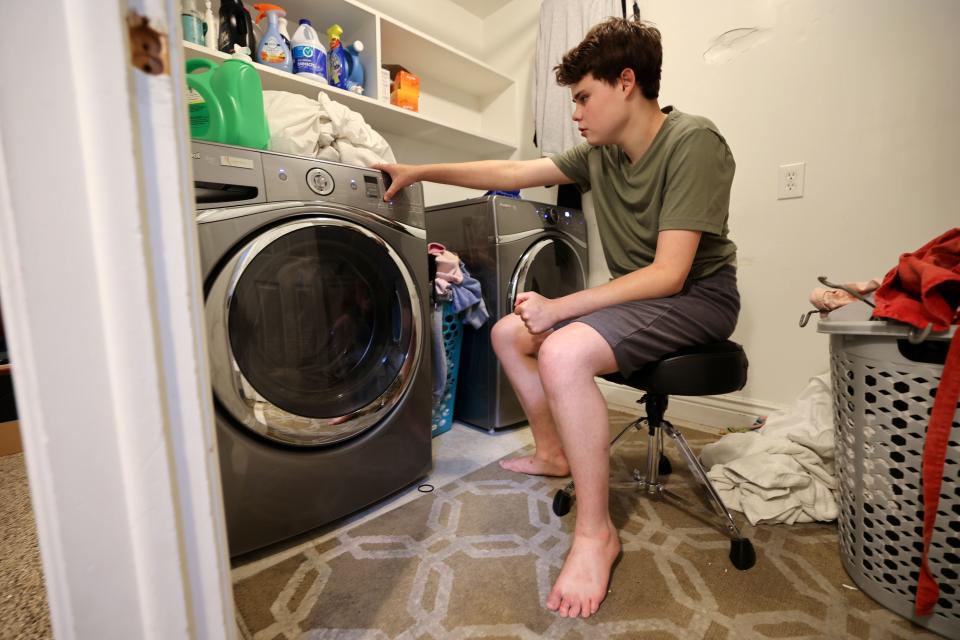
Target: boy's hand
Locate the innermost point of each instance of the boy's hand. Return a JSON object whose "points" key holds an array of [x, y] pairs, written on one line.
{"points": [[538, 313], [401, 175]]}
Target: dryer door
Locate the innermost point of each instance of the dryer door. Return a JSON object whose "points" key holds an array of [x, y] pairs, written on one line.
{"points": [[315, 331], [550, 267]]}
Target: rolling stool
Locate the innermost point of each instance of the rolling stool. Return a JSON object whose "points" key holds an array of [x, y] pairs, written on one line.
{"points": [[701, 370]]}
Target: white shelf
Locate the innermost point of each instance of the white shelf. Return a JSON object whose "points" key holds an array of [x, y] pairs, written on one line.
{"points": [[476, 83], [428, 57]]}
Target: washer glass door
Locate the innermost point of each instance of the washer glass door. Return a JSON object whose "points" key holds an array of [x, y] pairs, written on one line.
{"points": [[321, 328], [550, 267]]}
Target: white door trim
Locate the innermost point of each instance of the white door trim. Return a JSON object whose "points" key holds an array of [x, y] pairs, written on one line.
{"points": [[102, 300]]}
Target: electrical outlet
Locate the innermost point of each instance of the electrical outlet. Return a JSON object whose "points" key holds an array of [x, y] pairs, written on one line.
{"points": [[790, 180]]}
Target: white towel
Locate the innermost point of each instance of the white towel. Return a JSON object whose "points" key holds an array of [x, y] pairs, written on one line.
{"points": [[323, 129], [783, 472], [297, 125], [563, 24]]}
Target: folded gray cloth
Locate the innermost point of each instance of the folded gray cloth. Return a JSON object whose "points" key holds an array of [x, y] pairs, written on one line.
{"points": [[468, 298]]}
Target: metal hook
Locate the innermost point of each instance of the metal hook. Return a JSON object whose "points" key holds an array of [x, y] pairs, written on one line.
{"points": [[916, 336], [859, 296], [805, 317]]}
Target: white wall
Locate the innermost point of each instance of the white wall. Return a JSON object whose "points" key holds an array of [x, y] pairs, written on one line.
{"points": [[865, 92]]}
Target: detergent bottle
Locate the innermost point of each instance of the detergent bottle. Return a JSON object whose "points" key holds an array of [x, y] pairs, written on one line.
{"points": [[226, 103], [210, 28], [309, 56], [336, 58], [354, 74], [236, 27], [192, 22], [272, 50]]}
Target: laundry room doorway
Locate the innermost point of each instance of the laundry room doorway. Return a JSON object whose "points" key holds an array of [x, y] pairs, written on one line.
{"points": [[103, 319]]}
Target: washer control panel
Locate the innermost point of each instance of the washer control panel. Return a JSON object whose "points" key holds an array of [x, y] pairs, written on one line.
{"points": [[226, 175], [319, 180]]}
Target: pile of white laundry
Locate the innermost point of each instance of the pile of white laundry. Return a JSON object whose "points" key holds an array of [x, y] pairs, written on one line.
{"points": [[323, 129], [783, 472]]}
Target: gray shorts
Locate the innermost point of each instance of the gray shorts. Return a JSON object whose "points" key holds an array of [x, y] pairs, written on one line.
{"points": [[642, 331]]}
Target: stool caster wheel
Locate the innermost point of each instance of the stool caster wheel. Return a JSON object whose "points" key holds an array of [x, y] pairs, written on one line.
{"points": [[742, 554], [561, 503], [664, 468]]}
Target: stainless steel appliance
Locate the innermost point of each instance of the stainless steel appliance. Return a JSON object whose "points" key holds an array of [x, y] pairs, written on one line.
{"points": [[510, 246], [316, 308]]}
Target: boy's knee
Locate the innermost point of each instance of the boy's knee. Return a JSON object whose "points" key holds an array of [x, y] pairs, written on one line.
{"points": [[557, 357], [503, 335]]}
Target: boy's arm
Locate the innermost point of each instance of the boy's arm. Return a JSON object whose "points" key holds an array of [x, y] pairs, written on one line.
{"points": [[665, 277], [489, 175]]}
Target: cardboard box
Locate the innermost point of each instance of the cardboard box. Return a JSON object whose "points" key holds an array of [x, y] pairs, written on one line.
{"points": [[10, 438]]}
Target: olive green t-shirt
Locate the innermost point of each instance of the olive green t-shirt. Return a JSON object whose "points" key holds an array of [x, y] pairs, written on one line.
{"points": [[682, 182]]}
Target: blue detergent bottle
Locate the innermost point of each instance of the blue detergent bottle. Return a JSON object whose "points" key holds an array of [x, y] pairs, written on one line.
{"points": [[272, 50], [355, 76]]}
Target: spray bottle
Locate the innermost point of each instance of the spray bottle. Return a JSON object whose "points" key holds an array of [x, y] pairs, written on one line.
{"points": [[262, 9], [336, 58], [272, 50]]}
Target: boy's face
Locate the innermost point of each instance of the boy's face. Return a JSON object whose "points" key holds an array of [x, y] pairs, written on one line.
{"points": [[600, 109]]}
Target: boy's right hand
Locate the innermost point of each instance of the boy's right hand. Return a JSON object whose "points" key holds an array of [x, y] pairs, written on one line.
{"points": [[401, 175]]}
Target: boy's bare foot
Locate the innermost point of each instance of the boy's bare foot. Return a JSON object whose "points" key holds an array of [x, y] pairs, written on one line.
{"points": [[537, 466], [583, 581]]}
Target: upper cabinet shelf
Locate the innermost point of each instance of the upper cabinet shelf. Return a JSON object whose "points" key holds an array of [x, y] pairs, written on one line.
{"points": [[461, 101], [414, 50]]}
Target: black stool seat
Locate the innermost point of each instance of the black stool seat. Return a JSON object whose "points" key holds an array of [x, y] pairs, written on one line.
{"points": [[701, 370]]}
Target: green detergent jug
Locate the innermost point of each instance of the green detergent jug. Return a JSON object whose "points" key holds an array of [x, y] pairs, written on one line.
{"points": [[226, 103]]}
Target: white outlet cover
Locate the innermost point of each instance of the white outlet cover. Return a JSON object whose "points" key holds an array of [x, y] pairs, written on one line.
{"points": [[790, 180]]}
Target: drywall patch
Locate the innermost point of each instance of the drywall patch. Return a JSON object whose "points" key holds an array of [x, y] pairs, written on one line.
{"points": [[731, 44]]}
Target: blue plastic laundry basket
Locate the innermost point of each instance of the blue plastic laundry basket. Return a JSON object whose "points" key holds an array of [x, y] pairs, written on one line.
{"points": [[441, 418]]}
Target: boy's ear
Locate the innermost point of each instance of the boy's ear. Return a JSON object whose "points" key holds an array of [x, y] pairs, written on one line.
{"points": [[628, 80]]}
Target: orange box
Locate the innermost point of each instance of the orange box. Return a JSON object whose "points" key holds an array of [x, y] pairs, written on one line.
{"points": [[406, 91], [406, 80], [405, 99]]}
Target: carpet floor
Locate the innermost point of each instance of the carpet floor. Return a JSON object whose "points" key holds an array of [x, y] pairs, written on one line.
{"points": [[477, 557], [23, 602]]}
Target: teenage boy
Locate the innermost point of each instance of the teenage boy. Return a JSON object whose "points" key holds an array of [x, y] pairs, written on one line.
{"points": [[661, 187]]}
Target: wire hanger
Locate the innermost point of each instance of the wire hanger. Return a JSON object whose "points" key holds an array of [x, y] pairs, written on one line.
{"points": [[636, 9]]}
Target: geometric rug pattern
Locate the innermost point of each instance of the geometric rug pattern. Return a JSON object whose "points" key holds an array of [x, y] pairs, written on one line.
{"points": [[477, 558]]}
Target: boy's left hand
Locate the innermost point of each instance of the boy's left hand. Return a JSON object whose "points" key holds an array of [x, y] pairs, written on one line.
{"points": [[539, 314]]}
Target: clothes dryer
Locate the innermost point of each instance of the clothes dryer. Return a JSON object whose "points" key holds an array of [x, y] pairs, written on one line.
{"points": [[509, 246], [316, 309]]}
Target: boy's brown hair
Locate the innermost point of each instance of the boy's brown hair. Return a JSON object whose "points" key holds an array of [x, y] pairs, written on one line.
{"points": [[609, 48]]}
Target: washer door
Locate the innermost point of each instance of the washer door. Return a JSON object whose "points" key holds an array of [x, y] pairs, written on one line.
{"points": [[551, 267], [315, 331]]}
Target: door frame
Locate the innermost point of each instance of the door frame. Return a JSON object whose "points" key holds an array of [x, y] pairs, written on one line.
{"points": [[99, 274]]}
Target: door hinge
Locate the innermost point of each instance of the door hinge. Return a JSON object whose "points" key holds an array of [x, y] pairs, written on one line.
{"points": [[148, 50]]}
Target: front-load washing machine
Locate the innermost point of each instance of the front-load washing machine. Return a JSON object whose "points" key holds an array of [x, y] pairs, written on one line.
{"points": [[509, 246], [316, 311]]}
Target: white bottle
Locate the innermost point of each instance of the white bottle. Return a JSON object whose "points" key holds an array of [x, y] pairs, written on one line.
{"points": [[309, 55], [211, 26]]}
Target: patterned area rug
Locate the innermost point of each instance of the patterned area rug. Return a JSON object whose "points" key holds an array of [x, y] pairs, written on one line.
{"points": [[477, 558]]}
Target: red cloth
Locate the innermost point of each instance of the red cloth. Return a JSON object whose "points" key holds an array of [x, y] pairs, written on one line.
{"points": [[924, 287], [924, 290]]}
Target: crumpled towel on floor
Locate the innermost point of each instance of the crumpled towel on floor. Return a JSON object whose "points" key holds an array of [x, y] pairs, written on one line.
{"points": [[783, 472]]}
